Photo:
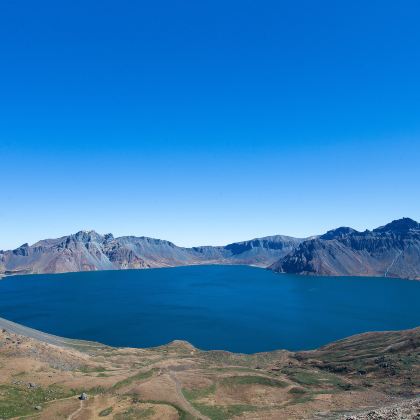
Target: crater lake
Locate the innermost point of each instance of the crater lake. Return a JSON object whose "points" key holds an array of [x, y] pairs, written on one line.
{"points": [[235, 308]]}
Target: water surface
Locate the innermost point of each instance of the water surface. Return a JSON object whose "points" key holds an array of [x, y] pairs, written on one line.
{"points": [[236, 308]]}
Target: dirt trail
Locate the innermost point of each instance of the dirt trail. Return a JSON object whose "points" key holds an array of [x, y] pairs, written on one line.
{"points": [[77, 412], [186, 403]]}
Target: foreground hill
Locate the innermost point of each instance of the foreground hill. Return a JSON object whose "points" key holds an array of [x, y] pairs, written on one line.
{"points": [[88, 250], [392, 250], [42, 376]]}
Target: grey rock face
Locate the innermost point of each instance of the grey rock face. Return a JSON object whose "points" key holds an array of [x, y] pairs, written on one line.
{"points": [[392, 250], [88, 250], [262, 251]]}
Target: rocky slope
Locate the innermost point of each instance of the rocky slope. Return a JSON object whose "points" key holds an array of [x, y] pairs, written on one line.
{"points": [[392, 250], [88, 250]]}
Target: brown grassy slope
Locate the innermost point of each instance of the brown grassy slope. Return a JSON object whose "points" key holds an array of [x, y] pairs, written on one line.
{"points": [[177, 381]]}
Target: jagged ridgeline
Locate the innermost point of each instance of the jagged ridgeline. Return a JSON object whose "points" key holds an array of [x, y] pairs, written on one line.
{"points": [[392, 250], [88, 250]]}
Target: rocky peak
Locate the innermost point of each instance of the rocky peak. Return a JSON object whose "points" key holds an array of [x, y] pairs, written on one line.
{"points": [[399, 226], [340, 232], [88, 236], [23, 250], [108, 237]]}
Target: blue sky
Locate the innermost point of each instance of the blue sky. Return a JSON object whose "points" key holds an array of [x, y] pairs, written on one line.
{"points": [[207, 122]]}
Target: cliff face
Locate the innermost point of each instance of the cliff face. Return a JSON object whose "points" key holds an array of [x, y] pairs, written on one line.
{"points": [[261, 251], [392, 250], [88, 250]]}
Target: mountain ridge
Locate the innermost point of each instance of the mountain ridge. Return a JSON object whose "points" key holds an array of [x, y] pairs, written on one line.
{"points": [[392, 250], [88, 250]]}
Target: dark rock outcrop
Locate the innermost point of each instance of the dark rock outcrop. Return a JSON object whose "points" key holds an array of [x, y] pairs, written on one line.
{"points": [[392, 250]]}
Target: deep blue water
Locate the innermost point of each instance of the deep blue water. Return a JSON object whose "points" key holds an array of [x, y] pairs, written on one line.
{"points": [[236, 308]]}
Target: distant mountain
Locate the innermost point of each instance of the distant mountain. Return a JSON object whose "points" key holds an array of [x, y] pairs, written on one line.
{"points": [[88, 251], [392, 250]]}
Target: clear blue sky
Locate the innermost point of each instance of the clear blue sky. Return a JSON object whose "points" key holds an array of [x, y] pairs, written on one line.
{"points": [[207, 122]]}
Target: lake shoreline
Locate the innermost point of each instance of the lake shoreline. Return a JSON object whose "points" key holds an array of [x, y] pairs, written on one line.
{"points": [[4, 275], [231, 307], [17, 328]]}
